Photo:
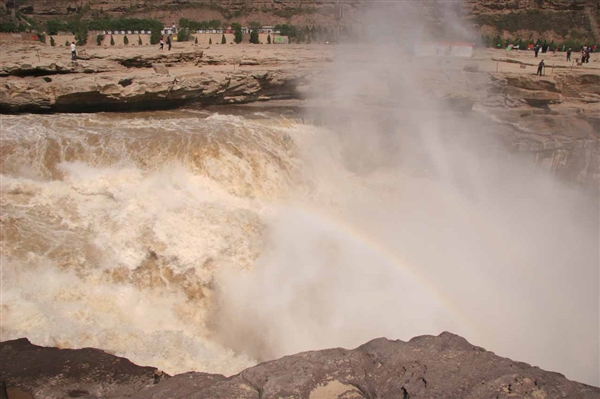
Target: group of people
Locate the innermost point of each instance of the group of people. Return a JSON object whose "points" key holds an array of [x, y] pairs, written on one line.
{"points": [[585, 58], [169, 42], [585, 54]]}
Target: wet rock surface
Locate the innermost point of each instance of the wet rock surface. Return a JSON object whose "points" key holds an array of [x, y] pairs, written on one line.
{"points": [[446, 366]]}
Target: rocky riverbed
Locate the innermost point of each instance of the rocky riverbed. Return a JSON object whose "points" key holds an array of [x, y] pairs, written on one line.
{"points": [[446, 366]]}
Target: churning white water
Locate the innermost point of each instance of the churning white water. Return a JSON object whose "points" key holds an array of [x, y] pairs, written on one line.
{"points": [[197, 241]]}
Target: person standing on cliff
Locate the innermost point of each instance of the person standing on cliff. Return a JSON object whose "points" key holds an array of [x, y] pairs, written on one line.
{"points": [[536, 50], [540, 70], [169, 41], [73, 52], [569, 54]]}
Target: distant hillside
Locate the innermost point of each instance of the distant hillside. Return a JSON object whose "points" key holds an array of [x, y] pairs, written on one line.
{"points": [[527, 19]]}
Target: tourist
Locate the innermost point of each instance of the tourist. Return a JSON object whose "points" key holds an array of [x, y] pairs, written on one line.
{"points": [[73, 52], [536, 50], [569, 54], [540, 70], [162, 43], [169, 41], [587, 54]]}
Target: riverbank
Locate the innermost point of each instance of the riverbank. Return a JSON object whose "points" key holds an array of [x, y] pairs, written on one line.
{"points": [[143, 79], [41, 79]]}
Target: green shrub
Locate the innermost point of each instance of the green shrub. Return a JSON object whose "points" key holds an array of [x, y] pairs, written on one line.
{"points": [[8, 26], [125, 40], [81, 34], [52, 42], [223, 39], [269, 39], [238, 37], [183, 35], [112, 40], [140, 40], [155, 36], [67, 43], [99, 39], [254, 37], [53, 26]]}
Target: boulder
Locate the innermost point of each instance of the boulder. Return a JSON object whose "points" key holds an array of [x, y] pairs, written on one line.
{"points": [[160, 69]]}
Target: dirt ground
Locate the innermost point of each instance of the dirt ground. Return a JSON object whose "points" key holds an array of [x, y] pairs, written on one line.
{"points": [[298, 56]]}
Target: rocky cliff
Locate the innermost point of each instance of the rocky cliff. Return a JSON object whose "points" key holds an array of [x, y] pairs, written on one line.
{"points": [[576, 20], [446, 366]]}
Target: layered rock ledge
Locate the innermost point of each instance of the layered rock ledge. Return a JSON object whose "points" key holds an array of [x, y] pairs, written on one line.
{"points": [[446, 366], [40, 79], [144, 91]]}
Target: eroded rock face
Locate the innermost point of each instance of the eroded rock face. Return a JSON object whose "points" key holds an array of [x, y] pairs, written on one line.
{"points": [[142, 92], [446, 366], [146, 61]]}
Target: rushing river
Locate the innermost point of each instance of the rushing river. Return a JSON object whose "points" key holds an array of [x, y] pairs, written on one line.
{"points": [[195, 240]]}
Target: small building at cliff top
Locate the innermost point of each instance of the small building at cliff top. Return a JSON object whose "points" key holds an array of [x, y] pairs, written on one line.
{"points": [[444, 49]]}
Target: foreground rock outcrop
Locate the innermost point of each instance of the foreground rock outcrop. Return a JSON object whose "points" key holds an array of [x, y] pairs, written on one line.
{"points": [[446, 366], [38, 372]]}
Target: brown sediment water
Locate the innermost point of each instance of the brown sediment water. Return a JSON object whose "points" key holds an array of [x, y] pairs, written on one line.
{"points": [[205, 240]]}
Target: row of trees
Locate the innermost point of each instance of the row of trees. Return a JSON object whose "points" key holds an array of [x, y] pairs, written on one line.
{"points": [[12, 26], [100, 39], [18, 22], [184, 35], [212, 24], [498, 42], [80, 28], [306, 34], [200, 25]]}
